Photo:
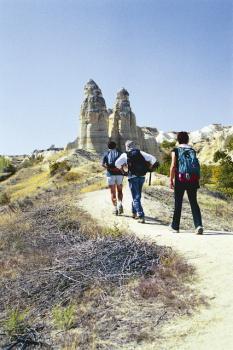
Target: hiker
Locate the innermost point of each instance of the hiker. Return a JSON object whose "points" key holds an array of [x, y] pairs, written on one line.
{"points": [[185, 170], [136, 162], [114, 177]]}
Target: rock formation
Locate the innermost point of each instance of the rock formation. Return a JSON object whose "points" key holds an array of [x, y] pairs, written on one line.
{"points": [[93, 134], [122, 122], [98, 125]]}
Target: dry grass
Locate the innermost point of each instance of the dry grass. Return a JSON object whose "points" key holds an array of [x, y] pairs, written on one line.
{"points": [[62, 257], [100, 185], [54, 254], [30, 185]]}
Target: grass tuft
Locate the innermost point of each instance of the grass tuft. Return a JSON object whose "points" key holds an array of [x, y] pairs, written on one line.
{"points": [[64, 317]]}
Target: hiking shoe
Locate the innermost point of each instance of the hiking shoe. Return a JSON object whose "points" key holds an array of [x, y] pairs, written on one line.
{"points": [[134, 216], [173, 230], [141, 220], [199, 230], [120, 209], [115, 211]]}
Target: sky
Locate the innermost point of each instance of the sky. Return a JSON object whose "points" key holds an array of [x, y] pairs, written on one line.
{"points": [[175, 57]]}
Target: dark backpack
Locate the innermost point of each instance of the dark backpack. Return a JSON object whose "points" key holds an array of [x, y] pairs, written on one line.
{"points": [[111, 158], [137, 164], [188, 165]]}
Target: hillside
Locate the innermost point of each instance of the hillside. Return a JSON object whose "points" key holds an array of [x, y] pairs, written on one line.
{"points": [[73, 280]]}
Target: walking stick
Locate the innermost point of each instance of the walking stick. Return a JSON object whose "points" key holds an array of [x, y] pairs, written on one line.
{"points": [[150, 178]]}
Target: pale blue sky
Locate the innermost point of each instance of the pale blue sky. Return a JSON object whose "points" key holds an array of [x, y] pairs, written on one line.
{"points": [[173, 56]]}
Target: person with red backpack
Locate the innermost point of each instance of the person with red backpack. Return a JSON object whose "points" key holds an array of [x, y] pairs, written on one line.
{"points": [[114, 176], [136, 162], [185, 170]]}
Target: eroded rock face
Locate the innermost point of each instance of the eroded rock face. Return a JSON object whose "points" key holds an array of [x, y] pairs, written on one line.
{"points": [[148, 143], [122, 121], [93, 134]]}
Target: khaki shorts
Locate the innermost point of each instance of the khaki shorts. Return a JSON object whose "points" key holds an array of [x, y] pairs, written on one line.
{"points": [[115, 180]]}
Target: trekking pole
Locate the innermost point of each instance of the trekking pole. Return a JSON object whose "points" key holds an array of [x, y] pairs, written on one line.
{"points": [[150, 178]]}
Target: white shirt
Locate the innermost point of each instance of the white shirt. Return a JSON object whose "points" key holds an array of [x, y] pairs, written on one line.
{"points": [[123, 159]]}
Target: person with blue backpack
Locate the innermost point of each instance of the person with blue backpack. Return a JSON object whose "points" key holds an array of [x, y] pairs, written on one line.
{"points": [[184, 176], [114, 176], [135, 164]]}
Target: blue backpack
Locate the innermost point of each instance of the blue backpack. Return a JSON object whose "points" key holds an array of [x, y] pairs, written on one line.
{"points": [[188, 165], [111, 158]]}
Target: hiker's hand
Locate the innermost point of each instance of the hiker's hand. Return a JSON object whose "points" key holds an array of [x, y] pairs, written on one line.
{"points": [[171, 184]]}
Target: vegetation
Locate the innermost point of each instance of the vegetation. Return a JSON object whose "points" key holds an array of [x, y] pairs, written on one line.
{"points": [[6, 166], [55, 257], [4, 162], [64, 317], [4, 198], [164, 167], [31, 161], [16, 322], [220, 175], [59, 168], [167, 145]]}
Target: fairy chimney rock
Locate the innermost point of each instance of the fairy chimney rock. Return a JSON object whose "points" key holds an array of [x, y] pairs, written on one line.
{"points": [[93, 134], [122, 121]]}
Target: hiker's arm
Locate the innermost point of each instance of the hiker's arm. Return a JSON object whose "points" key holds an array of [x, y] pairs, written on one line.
{"points": [[172, 170], [149, 158], [121, 161]]}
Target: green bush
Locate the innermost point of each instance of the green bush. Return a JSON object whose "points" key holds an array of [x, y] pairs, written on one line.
{"points": [[4, 198], [6, 165], [31, 161], [16, 322], [225, 172], [72, 176], [229, 145], [59, 168], [219, 155], [168, 145], [164, 167], [64, 317], [206, 174]]}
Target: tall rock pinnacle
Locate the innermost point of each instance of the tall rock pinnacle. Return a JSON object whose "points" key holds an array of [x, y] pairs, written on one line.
{"points": [[93, 134], [122, 122]]}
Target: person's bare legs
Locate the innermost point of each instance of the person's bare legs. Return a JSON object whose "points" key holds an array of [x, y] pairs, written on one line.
{"points": [[120, 197], [113, 197], [119, 192]]}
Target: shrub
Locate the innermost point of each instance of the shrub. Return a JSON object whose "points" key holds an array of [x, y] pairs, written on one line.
{"points": [[164, 167], [225, 176], [216, 170], [64, 317], [6, 165], [59, 167], [219, 155], [226, 173], [72, 176], [168, 145], [206, 174], [229, 145], [31, 161], [113, 231], [4, 198], [16, 322]]}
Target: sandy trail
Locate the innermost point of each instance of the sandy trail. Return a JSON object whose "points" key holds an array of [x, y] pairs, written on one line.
{"points": [[212, 254]]}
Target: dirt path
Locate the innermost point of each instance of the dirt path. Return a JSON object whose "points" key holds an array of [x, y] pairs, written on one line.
{"points": [[211, 328]]}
